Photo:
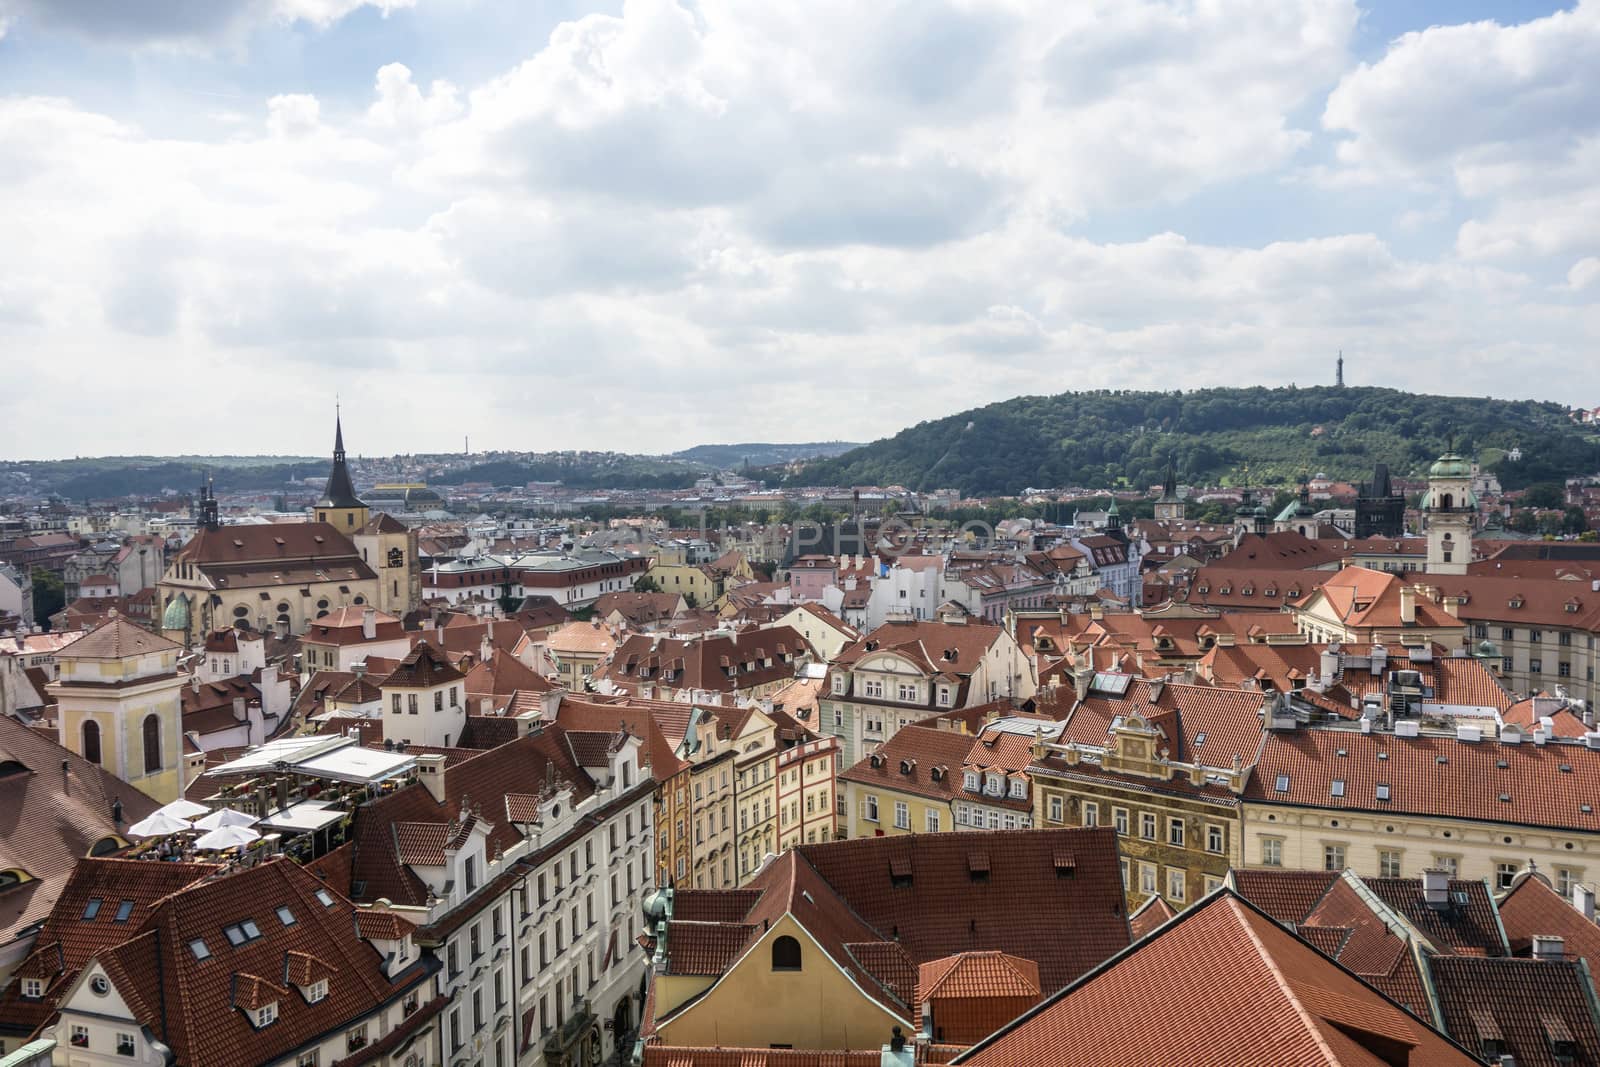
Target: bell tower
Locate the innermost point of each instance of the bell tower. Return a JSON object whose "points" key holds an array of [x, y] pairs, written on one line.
{"points": [[1169, 508], [1450, 512], [339, 505]]}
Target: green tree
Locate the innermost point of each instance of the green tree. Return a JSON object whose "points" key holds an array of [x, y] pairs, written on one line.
{"points": [[646, 584], [49, 596], [1546, 496], [1574, 521]]}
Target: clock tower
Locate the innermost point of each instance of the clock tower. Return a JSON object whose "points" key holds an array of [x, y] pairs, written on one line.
{"points": [[1450, 512], [339, 506]]}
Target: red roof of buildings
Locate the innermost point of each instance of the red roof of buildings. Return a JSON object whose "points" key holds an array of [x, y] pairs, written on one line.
{"points": [[1225, 984]]}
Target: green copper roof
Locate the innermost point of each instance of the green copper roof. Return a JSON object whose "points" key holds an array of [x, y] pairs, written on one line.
{"points": [[176, 617], [1450, 465]]}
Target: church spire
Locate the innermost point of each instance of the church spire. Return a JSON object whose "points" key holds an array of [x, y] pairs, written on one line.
{"points": [[340, 493]]}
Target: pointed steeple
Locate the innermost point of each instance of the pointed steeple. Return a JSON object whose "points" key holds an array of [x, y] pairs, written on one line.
{"points": [[340, 493], [1169, 485]]}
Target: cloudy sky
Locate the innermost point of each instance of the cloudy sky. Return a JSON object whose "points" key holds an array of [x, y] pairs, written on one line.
{"points": [[648, 225]]}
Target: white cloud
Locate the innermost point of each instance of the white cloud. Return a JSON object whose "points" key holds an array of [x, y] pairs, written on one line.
{"points": [[184, 24], [746, 221]]}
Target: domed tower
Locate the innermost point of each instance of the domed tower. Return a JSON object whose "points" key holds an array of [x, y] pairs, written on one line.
{"points": [[1450, 513]]}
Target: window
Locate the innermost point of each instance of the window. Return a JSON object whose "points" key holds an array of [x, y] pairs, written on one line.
{"points": [[1566, 879], [472, 873], [869, 808], [907, 693], [1054, 808], [1119, 819], [1451, 865], [267, 1014], [933, 822], [1535, 666], [324, 898], [125, 1044], [91, 909], [285, 916], [1216, 838], [1333, 857], [438, 700], [1336, 789], [1271, 852], [80, 1036], [309, 1059], [1177, 885], [785, 954], [199, 949], [1147, 826], [152, 744], [1388, 864], [33, 988], [1175, 832], [455, 1029], [316, 991], [1147, 878], [1091, 813], [969, 781], [1503, 875], [1535, 636], [902, 815], [91, 741], [1281, 784], [394, 703], [452, 960]]}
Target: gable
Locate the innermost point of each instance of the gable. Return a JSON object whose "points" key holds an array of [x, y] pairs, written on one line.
{"points": [[83, 999]]}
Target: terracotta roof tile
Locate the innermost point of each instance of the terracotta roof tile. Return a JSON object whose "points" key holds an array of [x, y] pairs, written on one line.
{"points": [[1526, 1005]]}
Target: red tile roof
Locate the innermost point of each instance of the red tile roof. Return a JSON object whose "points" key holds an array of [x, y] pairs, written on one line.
{"points": [[423, 668], [1431, 775], [66, 812], [1230, 983], [1526, 1005], [1150, 916], [1286, 895], [909, 760], [117, 638], [1533, 909], [210, 1029]]}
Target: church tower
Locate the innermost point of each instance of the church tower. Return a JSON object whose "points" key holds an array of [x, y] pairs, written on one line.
{"points": [[339, 504], [118, 705], [1450, 512], [1169, 508]]}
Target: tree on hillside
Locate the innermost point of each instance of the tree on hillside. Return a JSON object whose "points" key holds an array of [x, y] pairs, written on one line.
{"points": [[49, 596]]}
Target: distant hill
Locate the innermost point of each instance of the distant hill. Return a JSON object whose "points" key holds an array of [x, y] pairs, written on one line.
{"points": [[1109, 438], [731, 457], [149, 476]]}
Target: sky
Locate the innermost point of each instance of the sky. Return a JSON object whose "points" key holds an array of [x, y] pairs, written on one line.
{"points": [[651, 224]]}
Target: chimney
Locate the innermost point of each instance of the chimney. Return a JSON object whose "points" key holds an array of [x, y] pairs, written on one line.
{"points": [[116, 811], [238, 710], [1328, 665], [1549, 948], [66, 777], [194, 680], [430, 772], [1436, 888], [1379, 659], [1583, 900], [1408, 606], [369, 624]]}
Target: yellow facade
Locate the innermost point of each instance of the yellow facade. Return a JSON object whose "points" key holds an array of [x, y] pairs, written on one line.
{"points": [[808, 793], [106, 702], [876, 811], [753, 1005], [690, 582]]}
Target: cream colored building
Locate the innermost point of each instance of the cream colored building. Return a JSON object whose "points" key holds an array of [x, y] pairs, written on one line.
{"points": [[827, 633], [118, 706], [1385, 804]]}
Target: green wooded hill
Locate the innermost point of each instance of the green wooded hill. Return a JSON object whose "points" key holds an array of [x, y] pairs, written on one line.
{"points": [[1112, 438]]}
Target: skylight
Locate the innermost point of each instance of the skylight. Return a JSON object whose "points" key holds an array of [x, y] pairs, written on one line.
{"points": [[198, 947], [92, 908], [324, 898], [124, 910], [285, 916], [1337, 788], [1282, 784], [1383, 790]]}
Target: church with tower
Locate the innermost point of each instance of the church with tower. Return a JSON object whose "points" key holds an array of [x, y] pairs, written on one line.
{"points": [[281, 577]]}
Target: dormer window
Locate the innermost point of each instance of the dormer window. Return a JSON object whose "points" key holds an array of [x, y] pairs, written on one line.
{"points": [[316, 991], [32, 988], [969, 781], [265, 1015], [1019, 788]]}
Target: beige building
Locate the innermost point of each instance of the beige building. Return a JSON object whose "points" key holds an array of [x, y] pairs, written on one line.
{"points": [[1360, 606], [826, 632], [118, 705], [577, 650], [1392, 804], [809, 800]]}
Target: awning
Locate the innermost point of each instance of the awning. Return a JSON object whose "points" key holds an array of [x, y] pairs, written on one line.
{"points": [[304, 817]]}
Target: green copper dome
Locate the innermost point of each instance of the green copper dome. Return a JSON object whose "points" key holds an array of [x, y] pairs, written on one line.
{"points": [[176, 617], [1450, 465]]}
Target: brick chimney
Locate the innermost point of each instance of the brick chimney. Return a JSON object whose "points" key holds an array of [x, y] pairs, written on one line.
{"points": [[369, 624]]}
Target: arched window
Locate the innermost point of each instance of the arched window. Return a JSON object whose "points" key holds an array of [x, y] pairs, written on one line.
{"points": [[786, 954], [1445, 501], [91, 741], [152, 744]]}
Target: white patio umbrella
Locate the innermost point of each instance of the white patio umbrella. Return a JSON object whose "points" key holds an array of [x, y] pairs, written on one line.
{"points": [[224, 817], [183, 809], [226, 837], [158, 825]]}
